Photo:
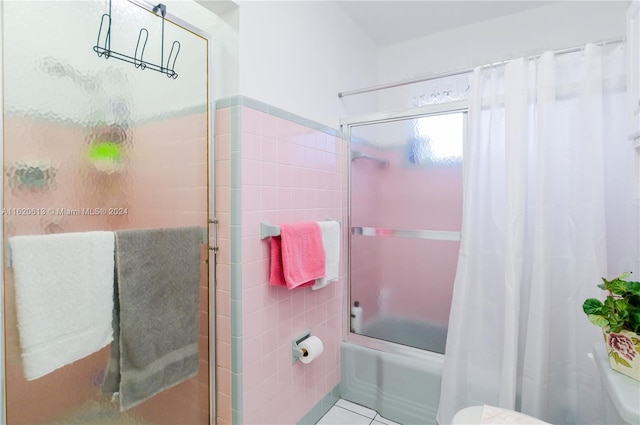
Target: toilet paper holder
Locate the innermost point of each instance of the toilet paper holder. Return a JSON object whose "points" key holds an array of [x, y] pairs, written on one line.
{"points": [[296, 351]]}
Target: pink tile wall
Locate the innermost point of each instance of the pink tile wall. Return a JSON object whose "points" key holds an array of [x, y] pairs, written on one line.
{"points": [[290, 173], [401, 197], [223, 278]]}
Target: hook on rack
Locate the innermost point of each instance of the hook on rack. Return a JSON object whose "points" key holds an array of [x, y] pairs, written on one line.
{"points": [[103, 46], [161, 7]]}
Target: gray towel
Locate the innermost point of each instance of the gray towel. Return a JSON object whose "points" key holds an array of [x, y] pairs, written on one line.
{"points": [[156, 312]]}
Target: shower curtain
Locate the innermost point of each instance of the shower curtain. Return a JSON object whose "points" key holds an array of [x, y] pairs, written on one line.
{"points": [[548, 210]]}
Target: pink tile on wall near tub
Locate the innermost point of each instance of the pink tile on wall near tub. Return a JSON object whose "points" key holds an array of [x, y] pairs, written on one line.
{"points": [[251, 121], [223, 147], [288, 173], [251, 146], [223, 266], [223, 173], [223, 121], [268, 127], [250, 198], [283, 129]]}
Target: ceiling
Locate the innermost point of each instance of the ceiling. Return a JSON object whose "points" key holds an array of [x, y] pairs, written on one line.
{"points": [[394, 21]]}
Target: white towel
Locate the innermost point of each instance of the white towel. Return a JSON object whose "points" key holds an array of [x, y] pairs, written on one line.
{"points": [[331, 241], [64, 297]]}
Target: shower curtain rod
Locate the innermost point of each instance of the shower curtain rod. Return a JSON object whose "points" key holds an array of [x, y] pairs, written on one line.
{"points": [[463, 71]]}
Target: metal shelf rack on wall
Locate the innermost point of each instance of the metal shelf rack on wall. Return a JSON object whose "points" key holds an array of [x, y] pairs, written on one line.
{"points": [[103, 46]]}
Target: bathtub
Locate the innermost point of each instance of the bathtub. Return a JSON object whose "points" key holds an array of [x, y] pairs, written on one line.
{"points": [[399, 382], [425, 336]]}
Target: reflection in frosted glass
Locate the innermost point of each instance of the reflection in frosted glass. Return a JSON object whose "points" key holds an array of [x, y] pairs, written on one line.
{"points": [[108, 146], [31, 176]]}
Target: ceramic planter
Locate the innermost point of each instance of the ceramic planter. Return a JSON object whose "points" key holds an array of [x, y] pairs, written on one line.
{"points": [[624, 352]]}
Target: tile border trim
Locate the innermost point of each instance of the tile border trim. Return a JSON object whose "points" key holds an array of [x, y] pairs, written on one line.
{"points": [[240, 100], [321, 408]]}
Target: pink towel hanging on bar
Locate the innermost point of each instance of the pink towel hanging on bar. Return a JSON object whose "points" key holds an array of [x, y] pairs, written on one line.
{"points": [[297, 255]]}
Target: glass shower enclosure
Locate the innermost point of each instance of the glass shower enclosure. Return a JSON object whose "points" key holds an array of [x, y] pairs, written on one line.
{"points": [[94, 143], [406, 215]]}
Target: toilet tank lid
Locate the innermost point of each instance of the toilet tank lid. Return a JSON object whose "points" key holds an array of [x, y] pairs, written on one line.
{"points": [[623, 391]]}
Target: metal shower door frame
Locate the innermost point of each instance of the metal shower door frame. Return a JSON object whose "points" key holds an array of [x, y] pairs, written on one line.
{"points": [[346, 125]]}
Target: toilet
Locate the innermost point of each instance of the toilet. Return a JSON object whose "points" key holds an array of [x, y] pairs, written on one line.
{"points": [[620, 393], [620, 399], [468, 415], [484, 415]]}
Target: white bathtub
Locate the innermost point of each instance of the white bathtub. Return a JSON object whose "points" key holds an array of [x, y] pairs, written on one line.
{"points": [[401, 383], [426, 336]]}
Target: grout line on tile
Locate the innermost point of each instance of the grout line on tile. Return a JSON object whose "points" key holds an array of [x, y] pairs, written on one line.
{"points": [[352, 411], [348, 403]]}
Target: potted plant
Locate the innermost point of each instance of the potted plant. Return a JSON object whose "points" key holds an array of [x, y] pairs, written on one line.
{"points": [[619, 318]]}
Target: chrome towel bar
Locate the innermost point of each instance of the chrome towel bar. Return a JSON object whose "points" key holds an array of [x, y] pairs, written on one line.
{"points": [[442, 235], [267, 229]]}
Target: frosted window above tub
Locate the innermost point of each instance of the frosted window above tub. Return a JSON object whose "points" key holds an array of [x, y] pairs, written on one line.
{"points": [[445, 90], [437, 139], [438, 90]]}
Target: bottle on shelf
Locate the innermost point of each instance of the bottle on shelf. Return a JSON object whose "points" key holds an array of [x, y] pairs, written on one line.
{"points": [[356, 318]]}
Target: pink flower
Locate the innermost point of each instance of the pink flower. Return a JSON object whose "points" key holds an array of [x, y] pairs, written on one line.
{"points": [[622, 345]]}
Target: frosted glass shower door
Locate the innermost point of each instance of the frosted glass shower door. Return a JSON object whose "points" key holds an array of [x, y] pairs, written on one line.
{"points": [[406, 212], [95, 144]]}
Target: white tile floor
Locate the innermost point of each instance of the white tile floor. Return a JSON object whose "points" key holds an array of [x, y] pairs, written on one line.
{"points": [[347, 413]]}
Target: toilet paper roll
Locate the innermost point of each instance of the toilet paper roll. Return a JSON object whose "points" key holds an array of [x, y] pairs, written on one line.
{"points": [[311, 348]]}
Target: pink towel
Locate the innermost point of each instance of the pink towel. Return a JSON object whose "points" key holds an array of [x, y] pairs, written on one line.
{"points": [[276, 274], [297, 256], [276, 277]]}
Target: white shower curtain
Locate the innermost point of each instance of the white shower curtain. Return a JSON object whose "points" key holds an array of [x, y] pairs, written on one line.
{"points": [[548, 209]]}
